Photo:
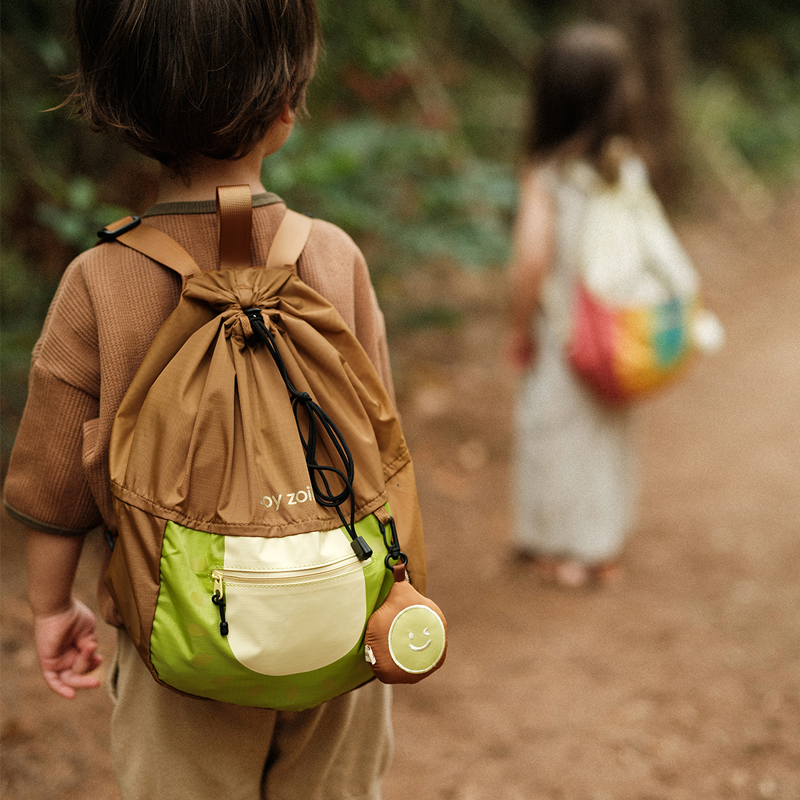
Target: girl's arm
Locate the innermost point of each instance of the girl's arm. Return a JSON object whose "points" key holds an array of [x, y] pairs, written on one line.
{"points": [[65, 630], [534, 233]]}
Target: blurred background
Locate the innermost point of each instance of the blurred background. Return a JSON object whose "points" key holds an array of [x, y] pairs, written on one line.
{"points": [[683, 683], [415, 126]]}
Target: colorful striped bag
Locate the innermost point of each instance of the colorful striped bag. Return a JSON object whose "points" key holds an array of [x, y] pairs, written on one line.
{"points": [[637, 318]]}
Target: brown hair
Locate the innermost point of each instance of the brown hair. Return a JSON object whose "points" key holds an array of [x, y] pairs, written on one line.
{"points": [[181, 78], [587, 91]]}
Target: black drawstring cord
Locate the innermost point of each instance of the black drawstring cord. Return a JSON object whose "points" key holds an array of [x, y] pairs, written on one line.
{"points": [[316, 418]]}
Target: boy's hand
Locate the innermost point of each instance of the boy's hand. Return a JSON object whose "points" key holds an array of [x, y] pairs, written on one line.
{"points": [[66, 644]]}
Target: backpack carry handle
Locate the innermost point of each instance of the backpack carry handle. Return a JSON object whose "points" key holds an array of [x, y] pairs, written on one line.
{"points": [[235, 220], [235, 226]]}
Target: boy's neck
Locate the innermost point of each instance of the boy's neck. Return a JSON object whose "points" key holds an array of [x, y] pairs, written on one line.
{"points": [[208, 173], [201, 181]]}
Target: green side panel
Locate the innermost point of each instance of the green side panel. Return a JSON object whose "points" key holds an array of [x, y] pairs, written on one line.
{"points": [[189, 653]]}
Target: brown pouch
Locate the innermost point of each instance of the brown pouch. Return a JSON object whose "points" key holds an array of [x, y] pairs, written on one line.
{"points": [[406, 638]]}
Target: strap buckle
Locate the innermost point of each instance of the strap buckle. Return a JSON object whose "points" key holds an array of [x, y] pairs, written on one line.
{"points": [[106, 235]]}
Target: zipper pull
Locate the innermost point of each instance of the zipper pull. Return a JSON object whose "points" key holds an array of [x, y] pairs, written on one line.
{"points": [[218, 599]]}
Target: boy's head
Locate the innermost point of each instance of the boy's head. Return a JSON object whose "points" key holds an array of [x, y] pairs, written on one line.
{"points": [[182, 78]]}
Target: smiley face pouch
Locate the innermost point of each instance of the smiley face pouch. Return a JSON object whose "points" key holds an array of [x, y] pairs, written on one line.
{"points": [[406, 638]]}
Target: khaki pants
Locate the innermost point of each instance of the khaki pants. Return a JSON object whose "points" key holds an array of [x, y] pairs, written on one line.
{"points": [[166, 746]]}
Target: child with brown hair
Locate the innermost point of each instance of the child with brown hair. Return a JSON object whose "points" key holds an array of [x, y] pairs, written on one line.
{"points": [[574, 492], [209, 90]]}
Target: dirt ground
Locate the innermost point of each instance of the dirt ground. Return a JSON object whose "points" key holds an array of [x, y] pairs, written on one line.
{"points": [[682, 682]]}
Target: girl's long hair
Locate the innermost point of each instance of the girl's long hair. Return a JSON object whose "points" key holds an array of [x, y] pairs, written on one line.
{"points": [[586, 98]]}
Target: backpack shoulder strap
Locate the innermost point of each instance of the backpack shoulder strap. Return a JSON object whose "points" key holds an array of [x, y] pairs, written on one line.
{"points": [[153, 243], [289, 241]]}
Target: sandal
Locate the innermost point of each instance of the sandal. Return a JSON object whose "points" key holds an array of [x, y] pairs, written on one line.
{"points": [[574, 575], [606, 573]]}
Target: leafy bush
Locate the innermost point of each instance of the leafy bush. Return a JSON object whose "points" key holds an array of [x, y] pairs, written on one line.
{"points": [[745, 82], [407, 194]]}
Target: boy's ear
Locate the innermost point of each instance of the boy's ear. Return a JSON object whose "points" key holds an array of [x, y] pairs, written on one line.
{"points": [[287, 115]]}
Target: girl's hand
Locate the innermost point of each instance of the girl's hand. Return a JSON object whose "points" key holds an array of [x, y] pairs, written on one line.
{"points": [[521, 350], [66, 644]]}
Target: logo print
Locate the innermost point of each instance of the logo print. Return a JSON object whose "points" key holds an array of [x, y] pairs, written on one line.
{"points": [[292, 498]]}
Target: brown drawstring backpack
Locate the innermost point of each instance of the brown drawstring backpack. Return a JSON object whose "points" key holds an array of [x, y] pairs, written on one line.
{"points": [[264, 493]]}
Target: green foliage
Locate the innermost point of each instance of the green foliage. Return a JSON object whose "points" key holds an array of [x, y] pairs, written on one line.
{"points": [[403, 149], [745, 91], [432, 315], [407, 194], [25, 297], [79, 216], [724, 116]]}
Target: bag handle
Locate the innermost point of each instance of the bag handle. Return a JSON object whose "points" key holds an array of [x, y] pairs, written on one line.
{"points": [[235, 219], [289, 242], [235, 225]]}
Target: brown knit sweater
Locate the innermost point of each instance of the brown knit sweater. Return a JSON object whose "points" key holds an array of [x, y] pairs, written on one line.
{"points": [[108, 307]]}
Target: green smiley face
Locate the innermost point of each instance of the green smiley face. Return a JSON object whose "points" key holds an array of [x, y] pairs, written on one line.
{"points": [[416, 639]]}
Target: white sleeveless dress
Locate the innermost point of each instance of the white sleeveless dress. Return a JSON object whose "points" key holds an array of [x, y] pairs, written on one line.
{"points": [[575, 471]]}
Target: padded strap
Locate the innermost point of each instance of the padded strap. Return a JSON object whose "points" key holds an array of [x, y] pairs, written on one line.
{"points": [[289, 241], [235, 224], [157, 245]]}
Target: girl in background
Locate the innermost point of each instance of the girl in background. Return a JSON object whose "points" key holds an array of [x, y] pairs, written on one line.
{"points": [[575, 466]]}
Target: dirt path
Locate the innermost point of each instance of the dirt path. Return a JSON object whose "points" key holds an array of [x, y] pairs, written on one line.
{"points": [[680, 683]]}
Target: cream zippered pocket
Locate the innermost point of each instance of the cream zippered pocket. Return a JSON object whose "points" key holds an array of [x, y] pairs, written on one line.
{"points": [[276, 577], [290, 605]]}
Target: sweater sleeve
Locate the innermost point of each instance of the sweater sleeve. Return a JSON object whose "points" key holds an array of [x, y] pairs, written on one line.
{"points": [[46, 486]]}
